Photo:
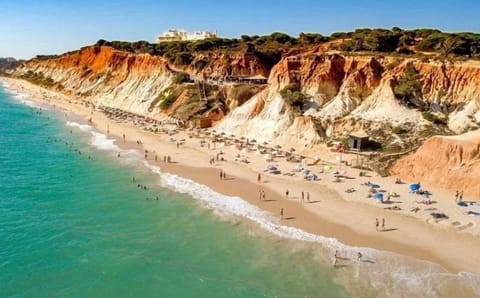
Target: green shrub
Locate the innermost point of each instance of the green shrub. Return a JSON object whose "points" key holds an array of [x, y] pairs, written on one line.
{"points": [[293, 95], [433, 118], [393, 64], [429, 116], [168, 101], [409, 85], [181, 77], [38, 78], [399, 130], [242, 93], [183, 58]]}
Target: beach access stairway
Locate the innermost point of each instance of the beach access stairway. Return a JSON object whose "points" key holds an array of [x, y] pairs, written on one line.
{"points": [[382, 163]]}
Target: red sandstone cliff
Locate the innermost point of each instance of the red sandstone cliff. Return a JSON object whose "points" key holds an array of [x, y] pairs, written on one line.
{"points": [[449, 162]]}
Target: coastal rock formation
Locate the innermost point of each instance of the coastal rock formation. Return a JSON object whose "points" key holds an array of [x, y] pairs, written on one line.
{"points": [[451, 162], [336, 93], [106, 76]]}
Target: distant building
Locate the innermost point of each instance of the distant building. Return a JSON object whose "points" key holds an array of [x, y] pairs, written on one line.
{"points": [[181, 35]]}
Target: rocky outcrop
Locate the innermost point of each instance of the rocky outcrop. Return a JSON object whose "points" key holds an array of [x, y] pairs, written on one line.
{"points": [[342, 92], [448, 162], [212, 64], [107, 76]]}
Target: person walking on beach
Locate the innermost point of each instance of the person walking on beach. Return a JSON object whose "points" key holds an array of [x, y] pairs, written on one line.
{"points": [[286, 193], [124, 138], [335, 258], [308, 197], [457, 193], [260, 194], [281, 213], [263, 195], [221, 175], [376, 224], [303, 196], [460, 197], [259, 178], [156, 158], [359, 256], [383, 224]]}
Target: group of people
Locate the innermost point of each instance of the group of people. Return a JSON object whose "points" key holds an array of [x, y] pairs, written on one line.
{"points": [[223, 175], [336, 257], [377, 225], [305, 195], [261, 195]]}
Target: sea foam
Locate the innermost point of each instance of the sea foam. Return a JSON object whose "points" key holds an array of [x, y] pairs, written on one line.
{"points": [[23, 98], [389, 273], [102, 142], [82, 127]]}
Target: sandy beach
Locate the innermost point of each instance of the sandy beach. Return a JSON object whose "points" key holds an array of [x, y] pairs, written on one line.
{"points": [[331, 212]]}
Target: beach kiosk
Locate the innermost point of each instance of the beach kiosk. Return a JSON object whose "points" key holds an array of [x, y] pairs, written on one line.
{"points": [[358, 140], [203, 123]]}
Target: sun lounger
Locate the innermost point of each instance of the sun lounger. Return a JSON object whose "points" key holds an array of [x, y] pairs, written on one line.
{"points": [[437, 215], [473, 213], [396, 208]]}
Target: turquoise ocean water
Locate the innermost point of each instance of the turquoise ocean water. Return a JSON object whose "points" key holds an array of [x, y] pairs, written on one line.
{"points": [[73, 224]]}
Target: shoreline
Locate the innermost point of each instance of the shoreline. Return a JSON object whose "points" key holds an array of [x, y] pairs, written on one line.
{"points": [[352, 223]]}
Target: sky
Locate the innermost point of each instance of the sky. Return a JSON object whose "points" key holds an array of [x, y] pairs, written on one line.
{"points": [[31, 27]]}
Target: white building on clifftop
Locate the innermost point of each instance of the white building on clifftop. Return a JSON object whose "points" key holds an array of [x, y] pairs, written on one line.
{"points": [[180, 35]]}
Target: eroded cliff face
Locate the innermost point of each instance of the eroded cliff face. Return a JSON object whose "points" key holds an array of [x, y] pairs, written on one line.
{"points": [[449, 162], [235, 64], [343, 93], [363, 87], [106, 76]]}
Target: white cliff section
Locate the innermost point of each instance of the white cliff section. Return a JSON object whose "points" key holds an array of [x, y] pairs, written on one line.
{"points": [[300, 135], [339, 106], [263, 127], [382, 105], [135, 93], [275, 123], [468, 116]]}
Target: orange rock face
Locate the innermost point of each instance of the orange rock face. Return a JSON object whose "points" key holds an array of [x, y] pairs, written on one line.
{"points": [[101, 59], [326, 74], [449, 162]]}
